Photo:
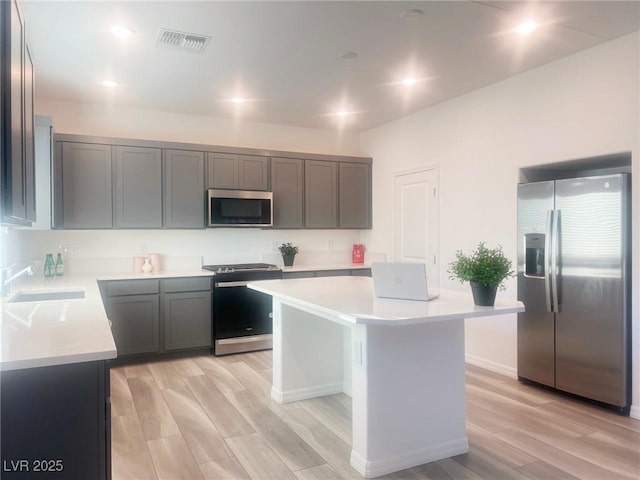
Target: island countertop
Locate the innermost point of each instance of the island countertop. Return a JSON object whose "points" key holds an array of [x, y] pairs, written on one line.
{"points": [[352, 300]]}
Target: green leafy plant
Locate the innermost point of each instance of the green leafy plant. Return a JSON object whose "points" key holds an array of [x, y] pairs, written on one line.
{"points": [[288, 249], [486, 266]]}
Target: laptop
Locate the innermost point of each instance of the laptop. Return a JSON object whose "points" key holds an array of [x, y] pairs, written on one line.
{"points": [[405, 281]]}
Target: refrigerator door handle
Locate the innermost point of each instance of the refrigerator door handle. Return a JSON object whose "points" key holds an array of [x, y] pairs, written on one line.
{"points": [[555, 260], [547, 260]]}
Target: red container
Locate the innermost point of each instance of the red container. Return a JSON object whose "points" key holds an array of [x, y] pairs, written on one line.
{"points": [[357, 254]]}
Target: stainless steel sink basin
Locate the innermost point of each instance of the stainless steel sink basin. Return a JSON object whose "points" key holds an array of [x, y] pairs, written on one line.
{"points": [[44, 296]]}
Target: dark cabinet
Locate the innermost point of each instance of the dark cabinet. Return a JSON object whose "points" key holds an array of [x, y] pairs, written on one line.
{"points": [[137, 187], [187, 320], [151, 316], [133, 307], [237, 172], [186, 312], [120, 183], [354, 195], [321, 194], [287, 185], [184, 203], [82, 176], [356, 272], [16, 123], [135, 323], [56, 422]]}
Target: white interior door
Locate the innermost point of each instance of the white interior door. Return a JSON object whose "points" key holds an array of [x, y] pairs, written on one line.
{"points": [[415, 211]]}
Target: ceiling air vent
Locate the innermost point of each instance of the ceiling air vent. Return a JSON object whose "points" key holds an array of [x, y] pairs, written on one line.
{"points": [[184, 42]]}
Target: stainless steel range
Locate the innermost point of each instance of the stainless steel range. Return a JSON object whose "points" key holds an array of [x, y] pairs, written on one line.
{"points": [[241, 317]]}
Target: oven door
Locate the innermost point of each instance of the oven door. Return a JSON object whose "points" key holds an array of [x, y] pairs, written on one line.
{"points": [[242, 318]]}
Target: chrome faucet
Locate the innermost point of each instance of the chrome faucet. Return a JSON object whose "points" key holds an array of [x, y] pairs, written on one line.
{"points": [[8, 277]]}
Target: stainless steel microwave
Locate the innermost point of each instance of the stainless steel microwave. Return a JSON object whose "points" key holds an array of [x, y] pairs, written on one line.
{"points": [[239, 208]]}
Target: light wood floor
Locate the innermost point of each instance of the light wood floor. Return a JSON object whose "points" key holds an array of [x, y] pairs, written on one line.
{"points": [[204, 417]]}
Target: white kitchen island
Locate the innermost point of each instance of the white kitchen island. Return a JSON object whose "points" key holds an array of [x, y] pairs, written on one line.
{"points": [[401, 361]]}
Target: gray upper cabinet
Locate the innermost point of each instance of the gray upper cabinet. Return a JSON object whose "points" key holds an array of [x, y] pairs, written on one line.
{"points": [[321, 194], [16, 119], [355, 195], [120, 183], [287, 184], [184, 203], [83, 186], [222, 170], [29, 139], [237, 172], [253, 172], [137, 187]]}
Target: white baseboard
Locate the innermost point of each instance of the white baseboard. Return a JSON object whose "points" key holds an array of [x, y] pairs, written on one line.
{"points": [[492, 366], [305, 393], [371, 469], [635, 412]]}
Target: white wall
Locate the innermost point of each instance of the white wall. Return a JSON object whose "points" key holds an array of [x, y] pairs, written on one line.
{"points": [[215, 246], [580, 106], [111, 121]]}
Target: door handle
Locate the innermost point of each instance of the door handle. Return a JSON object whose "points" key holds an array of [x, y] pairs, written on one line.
{"points": [[555, 261], [547, 260]]}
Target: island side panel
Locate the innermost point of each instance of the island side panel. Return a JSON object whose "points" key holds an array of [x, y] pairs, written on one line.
{"points": [[307, 354], [408, 395]]}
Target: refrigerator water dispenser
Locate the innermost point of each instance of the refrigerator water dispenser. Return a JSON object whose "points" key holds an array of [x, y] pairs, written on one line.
{"points": [[534, 254]]}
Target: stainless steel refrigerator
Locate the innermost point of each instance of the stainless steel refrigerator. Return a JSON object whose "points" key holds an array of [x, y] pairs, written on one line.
{"points": [[574, 275]]}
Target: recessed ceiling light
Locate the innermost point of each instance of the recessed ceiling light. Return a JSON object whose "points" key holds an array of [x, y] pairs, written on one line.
{"points": [[525, 28], [109, 83], [348, 55], [409, 81], [121, 31], [342, 113], [238, 100], [412, 14]]}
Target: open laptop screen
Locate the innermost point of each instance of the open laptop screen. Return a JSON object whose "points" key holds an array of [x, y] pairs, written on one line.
{"points": [[405, 281]]}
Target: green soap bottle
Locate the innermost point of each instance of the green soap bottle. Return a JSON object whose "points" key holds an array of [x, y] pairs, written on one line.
{"points": [[59, 268], [49, 266]]}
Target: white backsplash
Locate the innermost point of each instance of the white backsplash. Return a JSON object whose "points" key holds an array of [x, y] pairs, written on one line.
{"points": [[87, 251]]}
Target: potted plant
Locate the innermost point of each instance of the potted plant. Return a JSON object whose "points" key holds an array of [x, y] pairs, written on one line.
{"points": [[485, 270], [288, 252]]}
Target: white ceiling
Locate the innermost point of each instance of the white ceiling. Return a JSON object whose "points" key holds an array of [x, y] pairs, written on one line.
{"points": [[285, 56]]}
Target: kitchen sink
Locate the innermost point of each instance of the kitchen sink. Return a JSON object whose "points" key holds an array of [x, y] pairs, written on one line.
{"points": [[45, 296]]}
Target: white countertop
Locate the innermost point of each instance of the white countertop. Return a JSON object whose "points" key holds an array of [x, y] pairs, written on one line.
{"points": [[55, 332], [352, 300]]}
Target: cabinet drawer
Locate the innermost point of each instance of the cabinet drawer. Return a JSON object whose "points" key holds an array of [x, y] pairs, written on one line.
{"points": [[361, 272], [188, 284], [286, 275], [131, 287], [333, 273]]}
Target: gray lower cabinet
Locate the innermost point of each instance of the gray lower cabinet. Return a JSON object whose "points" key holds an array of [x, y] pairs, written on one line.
{"points": [[321, 194], [56, 422], [287, 185], [356, 272], [152, 316], [137, 187], [187, 320], [184, 202], [355, 195], [82, 175], [135, 323], [237, 172]]}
